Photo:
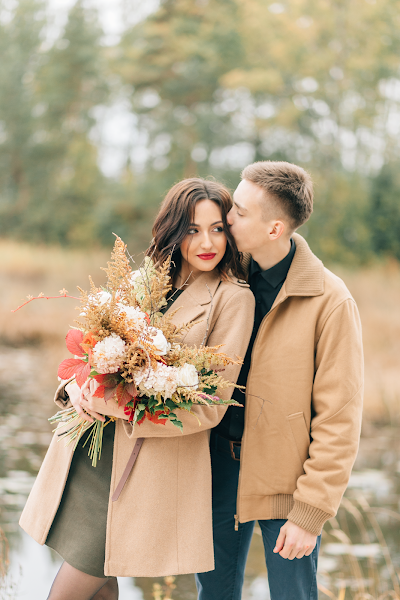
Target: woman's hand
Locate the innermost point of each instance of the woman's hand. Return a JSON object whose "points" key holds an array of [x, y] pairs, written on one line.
{"points": [[96, 407], [76, 395]]}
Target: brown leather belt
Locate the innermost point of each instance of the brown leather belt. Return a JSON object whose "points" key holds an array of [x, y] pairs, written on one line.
{"points": [[232, 449], [128, 468]]}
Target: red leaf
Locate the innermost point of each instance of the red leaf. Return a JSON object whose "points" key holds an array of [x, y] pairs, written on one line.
{"points": [[131, 389], [99, 393], [123, 396], [73, 341], [111, 380], [69, 367], [82, 373], [109, 393], [154, 418], [130, 411], [108, 380]]}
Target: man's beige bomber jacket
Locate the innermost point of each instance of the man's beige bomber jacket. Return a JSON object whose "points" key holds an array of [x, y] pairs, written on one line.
{"points": [[303, 400]]}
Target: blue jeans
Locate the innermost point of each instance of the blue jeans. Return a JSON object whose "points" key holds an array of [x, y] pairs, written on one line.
{"points": [[288, 579]]}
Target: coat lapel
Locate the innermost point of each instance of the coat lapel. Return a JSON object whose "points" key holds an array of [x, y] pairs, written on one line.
{"points": [[196, 298]]}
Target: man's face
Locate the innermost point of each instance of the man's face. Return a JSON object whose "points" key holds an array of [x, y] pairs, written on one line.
{"points": [[247, 219]]}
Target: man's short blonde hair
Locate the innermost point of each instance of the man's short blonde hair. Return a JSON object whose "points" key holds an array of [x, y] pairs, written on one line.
{"points": [[288, 186]]}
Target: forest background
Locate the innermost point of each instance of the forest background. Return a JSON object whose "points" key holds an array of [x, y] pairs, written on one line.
{"points": [[94, 130]]}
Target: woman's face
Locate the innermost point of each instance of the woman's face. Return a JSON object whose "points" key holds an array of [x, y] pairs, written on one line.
{"points": [[205, 243]]}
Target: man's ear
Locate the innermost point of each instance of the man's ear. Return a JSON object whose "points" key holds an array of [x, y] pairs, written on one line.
{"points": [[277, 229]]}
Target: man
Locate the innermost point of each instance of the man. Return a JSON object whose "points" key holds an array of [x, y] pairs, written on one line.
{"points": [[285, 459]]}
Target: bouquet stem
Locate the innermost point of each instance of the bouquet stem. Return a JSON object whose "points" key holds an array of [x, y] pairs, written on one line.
{"points": [[79, 426]]}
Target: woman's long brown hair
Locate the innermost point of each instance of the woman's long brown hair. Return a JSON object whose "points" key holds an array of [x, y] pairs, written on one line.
{"points": [[177, 213]]}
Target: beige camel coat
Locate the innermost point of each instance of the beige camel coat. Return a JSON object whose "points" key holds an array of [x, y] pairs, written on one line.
{"points": [[303, 400], [161, 524]]}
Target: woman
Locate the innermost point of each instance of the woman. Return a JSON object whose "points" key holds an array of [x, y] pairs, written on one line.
{"points": [[161, 523]]}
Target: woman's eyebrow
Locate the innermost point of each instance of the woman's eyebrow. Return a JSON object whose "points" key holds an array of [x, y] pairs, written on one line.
{"points": [[216, 223]]}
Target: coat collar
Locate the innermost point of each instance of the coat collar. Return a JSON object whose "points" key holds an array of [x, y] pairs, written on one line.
{"points": [[306, 273], [195, 297]]}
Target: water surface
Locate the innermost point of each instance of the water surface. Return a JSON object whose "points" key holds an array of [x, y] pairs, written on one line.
{"points": [[352, 554]]}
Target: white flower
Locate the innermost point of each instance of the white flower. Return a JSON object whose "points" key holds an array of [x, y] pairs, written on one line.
{"points": [[159, 341], [161, 380], [188, 376], [103, 297], [135, 315], [109, 354], [134, 276], [100, 298]]}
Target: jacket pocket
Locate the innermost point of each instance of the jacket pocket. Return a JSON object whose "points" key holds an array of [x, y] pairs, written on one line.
{"points": [[300, 434]]}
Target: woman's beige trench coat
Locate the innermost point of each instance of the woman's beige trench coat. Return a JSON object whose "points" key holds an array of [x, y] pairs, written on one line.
{"points": [[161, 524]]}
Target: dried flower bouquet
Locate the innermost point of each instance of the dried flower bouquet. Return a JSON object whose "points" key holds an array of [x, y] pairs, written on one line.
{"points": [[129, 347]]}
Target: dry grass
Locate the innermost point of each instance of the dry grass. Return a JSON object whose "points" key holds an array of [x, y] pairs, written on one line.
{"points": [[377, 293], [27, 269]]}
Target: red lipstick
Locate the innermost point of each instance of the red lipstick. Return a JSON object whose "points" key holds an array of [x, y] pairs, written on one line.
{"points": [[206, 256]]}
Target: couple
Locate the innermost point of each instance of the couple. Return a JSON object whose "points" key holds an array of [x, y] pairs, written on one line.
{"points": [[284, 459]]}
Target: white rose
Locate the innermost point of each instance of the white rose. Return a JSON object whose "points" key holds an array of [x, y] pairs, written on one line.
{"points": [[159, 341], [187, 376]]}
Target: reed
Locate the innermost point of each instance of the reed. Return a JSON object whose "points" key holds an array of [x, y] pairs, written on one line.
{"points": [[8, 587], [364, 581]]}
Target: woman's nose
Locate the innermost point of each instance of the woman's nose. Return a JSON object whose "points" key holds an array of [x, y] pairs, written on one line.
{"points": [[206, 242]]}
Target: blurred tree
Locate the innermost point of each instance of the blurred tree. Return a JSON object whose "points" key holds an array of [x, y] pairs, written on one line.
{"points": [[71, 82], [320, 74], [174, 61], [48, 166], [20, 59], [384, 215], [207, 86]]}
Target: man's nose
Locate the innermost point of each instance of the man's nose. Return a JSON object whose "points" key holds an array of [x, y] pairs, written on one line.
{"points": [[229, 217]]}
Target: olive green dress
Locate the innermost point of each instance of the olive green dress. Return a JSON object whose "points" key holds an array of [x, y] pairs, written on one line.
{"points": [[78, 532]]}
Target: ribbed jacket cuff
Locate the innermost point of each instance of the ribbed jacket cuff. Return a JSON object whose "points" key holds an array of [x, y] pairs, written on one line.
{"points": [[308, 517]]}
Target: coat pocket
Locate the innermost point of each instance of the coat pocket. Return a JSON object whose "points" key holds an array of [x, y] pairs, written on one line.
{"points": [[300, 434]]}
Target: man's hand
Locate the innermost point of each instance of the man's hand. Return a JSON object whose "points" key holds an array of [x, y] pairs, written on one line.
{"points": [[294, 541]]}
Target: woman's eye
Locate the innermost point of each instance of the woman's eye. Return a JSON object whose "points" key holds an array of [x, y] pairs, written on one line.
{"points": [[192, 231], [219, 229]]}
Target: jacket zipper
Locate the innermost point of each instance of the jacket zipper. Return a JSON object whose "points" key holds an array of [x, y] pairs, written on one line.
{"points": [[237, 516]]}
